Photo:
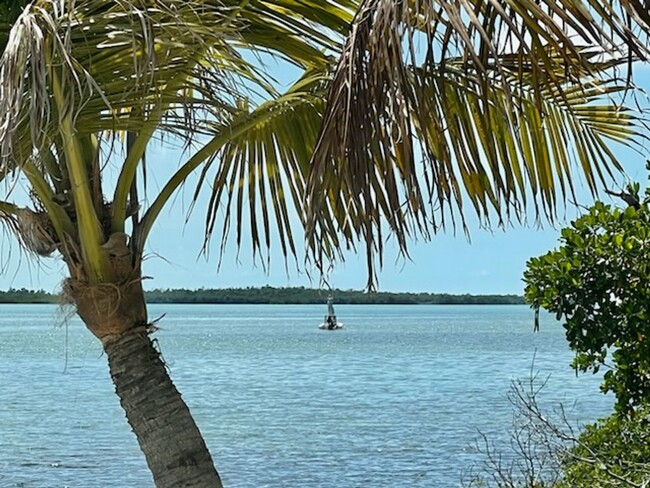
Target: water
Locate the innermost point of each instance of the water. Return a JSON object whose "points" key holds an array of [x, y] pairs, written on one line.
{"points": [[393, 399]]}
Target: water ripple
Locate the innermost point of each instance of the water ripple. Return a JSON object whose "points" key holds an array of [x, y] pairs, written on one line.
{"points": [[394, 399]]}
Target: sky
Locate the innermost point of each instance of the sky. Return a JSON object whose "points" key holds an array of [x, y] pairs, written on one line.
{"points": [[493, 262]]}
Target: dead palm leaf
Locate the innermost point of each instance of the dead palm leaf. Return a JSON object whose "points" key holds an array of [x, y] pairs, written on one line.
{"points": [[505, 103]]}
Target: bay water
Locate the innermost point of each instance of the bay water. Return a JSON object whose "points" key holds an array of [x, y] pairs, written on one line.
{"points": [[395, 398]]}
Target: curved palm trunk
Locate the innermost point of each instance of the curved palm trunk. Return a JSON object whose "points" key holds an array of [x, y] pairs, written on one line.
{"points": [[170, 440], [175, 451]]}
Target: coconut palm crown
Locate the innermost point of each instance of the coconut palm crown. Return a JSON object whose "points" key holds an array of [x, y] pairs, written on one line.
{"points": [[84, 84], [504, 102]]}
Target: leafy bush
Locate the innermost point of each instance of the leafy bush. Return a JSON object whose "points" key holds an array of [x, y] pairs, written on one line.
{"points": [[598, 281], [610, 453]]}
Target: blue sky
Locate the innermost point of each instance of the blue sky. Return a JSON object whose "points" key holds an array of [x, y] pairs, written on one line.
{"points": [[493, 262]]}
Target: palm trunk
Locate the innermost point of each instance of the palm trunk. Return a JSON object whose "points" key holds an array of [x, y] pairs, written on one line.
{"points": [[117, 314], [170, 440]]}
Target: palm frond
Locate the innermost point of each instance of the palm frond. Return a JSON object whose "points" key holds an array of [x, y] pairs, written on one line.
{"points": [[261, 158], [497, 98], [120, 59], [71, 71], [114, 58], [261, 168]]}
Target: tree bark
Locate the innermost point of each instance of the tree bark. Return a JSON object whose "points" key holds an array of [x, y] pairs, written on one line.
{"points": [[116, 313], [168, 436]]}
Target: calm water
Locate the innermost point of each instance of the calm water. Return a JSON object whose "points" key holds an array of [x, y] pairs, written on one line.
{"points": [[394, 399]]}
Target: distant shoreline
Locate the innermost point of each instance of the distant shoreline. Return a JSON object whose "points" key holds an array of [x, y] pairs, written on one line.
{"points": [[282, 296]]}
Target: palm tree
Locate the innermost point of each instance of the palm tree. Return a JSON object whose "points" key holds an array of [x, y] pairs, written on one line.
{"points": [[498, 96], [86, 83]]}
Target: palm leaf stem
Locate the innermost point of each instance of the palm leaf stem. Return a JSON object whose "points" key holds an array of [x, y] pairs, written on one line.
{"points": [[60, 220], [90, 232], [127, 174], [51, 166], [8, 208], [176, 181]]}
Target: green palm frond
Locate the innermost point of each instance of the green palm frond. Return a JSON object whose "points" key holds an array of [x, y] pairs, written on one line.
{"points": [[261, 168], [281, 27], [262, 158], [509, 157], [114, 67], [93, 70], [119, 59]]}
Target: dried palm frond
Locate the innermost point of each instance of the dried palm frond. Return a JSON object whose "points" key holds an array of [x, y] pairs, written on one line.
{"points": [[504, 103], [34, 231]]}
